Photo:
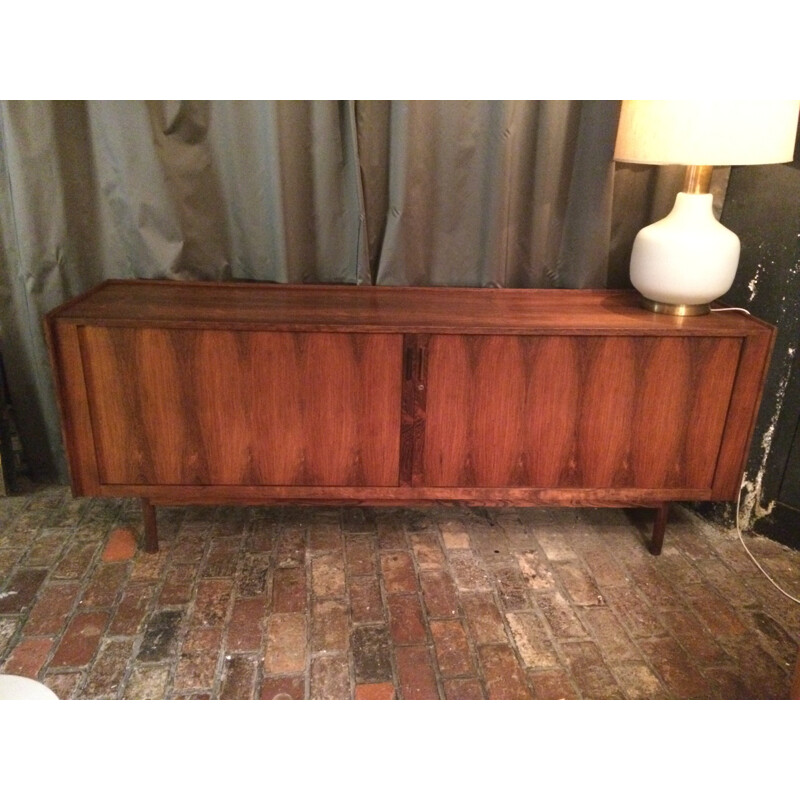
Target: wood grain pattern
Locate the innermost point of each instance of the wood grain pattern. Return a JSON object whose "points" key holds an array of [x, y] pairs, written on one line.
{"points": [[165, 494], [592, 412], [741, 420], [253, 408], [403, 309]]}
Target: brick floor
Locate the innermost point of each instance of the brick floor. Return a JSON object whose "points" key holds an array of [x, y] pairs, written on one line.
{"points": [[361, 603]]}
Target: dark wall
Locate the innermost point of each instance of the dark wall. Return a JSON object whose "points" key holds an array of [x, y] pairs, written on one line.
{"points": [[762, 206]]}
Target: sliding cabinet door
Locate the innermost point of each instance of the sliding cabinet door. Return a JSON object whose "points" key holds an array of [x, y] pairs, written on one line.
{"points": [[213, 407], [576, 411]]}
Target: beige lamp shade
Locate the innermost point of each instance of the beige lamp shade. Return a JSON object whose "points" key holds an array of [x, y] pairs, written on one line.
{"points": [[707, 132]]}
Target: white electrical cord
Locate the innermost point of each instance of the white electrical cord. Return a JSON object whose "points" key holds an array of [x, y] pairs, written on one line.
{"points": [[738, 501], [752, 557]]}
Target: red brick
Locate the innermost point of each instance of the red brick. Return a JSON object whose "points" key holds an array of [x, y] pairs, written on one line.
{"points": [[656, 589], [553, 684], [64, 684], [149, 566], [639, 682], [366, 604], [452, 647], [330, 626], [463, 689], [211, 602], [580, 584], [81, 639], [286, 644], [252, 579], [554, 544], [9, 557], [504, 678], [76, 561], [21, 590], [161, 633], [49, 614], [609, 635], [357, 519], [223, 555], [147, 683], [454, 534], [427, 551], [391, 535], [105, 585], [199, 659], [132, 610], [8, 627], [512, 587], [189, 548], [289, 590], [635, 612], [715, 612], [590, 673], [109, 667], [760, 671], [121, 545], [682, 678], [178, 584], [483, 618], [415, 673], [283, 688], [47, 547], [244, 629], [330, 678], [240, 678], [560, 616], [605, 569], [374, 691], [439, 593], [398, 573], [324, 537], [691, 634], [261, 536], [28, 657], [290, 549], [360, 555], [372, 654], [532, 640], [468, 572], [405, 619], [327, 575], [536, 571]]}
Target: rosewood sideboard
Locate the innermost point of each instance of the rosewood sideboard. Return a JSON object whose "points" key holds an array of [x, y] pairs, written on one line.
{"points": [[190, 393]]}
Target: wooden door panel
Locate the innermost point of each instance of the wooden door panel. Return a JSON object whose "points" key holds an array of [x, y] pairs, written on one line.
{"points": [[576, 411], [213, 407]]}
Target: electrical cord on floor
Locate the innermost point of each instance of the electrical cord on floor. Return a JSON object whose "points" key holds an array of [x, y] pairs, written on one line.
{"points": [[752, 557], [743, 310]]}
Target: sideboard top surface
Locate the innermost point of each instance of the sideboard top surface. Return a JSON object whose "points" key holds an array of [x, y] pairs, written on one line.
{"points": [[370, 308]]}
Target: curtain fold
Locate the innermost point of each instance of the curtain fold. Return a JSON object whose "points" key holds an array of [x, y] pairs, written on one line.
{"points": [[511, 193], [468, 193]]}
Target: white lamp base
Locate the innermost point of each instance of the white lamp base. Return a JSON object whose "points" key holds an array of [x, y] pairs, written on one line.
{"points": [[684, 261]]}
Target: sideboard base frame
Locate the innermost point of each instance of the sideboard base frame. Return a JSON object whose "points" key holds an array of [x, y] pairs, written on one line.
{"points": [[150, 524]]}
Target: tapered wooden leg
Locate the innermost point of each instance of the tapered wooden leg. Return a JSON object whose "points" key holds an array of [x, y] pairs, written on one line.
{"points": [[150, 529], [657, 542]]}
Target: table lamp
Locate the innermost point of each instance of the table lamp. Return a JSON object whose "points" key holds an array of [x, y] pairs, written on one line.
{"points": [[684, 261]]}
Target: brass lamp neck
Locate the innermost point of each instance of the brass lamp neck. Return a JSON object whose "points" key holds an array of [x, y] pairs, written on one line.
{"points": [[697, 180]]}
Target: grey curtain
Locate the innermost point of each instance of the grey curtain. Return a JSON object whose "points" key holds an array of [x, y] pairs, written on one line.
{"points": [[479, 193]]}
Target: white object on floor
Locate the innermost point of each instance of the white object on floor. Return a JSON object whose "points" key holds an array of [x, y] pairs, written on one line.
{"points": [[15, 687]]}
